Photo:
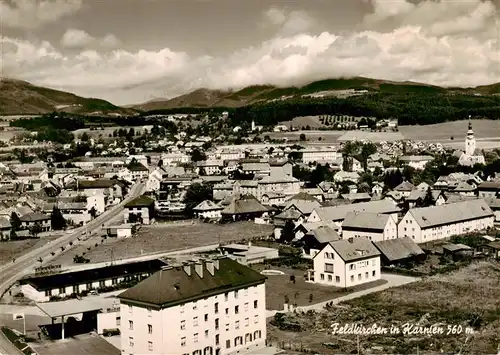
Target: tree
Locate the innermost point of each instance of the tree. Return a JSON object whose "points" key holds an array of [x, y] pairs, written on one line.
{"points": [[85, 137], [287, 233], [428, 200], [15, 222], [195, 194], [36, 229], [93, 212], [57, 220], [197, 155], [302, 137]]}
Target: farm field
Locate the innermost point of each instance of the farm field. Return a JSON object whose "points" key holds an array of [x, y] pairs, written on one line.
{"points": [[466, 299], [163, 238], [320, 137], [442, 132], [16, 248]]}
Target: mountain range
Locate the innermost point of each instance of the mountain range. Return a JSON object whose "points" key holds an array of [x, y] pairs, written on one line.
{"points": [[21, 97]]}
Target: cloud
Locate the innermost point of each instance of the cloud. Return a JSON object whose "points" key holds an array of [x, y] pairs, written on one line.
{"points": [[79, 39], [30, 14], [448, 43], [288, 23]]}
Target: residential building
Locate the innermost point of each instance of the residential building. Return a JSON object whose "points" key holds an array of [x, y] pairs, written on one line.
{"points": [[405, 188], [33, 219], [315, 239], [489, 189], [439, 222], [139, 210], [374, 226], [346, 263], [417, 162], [320, 155], [203, 307], [210, 167], [208, 209]]}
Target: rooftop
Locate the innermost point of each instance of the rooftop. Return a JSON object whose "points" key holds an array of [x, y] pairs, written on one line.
{"points": [[398, 249], [141, 201], [176, 285], [365, 220], [355, 249]]}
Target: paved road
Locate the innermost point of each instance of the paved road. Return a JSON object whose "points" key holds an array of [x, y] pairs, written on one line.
{"points": [[11, 272], [393, 280]]}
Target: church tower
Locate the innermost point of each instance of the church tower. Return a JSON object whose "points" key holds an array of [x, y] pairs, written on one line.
{"points": [[470, 141]]}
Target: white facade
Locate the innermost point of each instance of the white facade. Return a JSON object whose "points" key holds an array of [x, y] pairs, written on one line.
{"points": [[320, 155], [390, 232], [330, 269], [175, 158], [212, 214], [227, 323], [408, 227]]}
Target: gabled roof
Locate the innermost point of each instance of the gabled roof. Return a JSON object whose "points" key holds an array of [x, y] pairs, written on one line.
{"points": [[289, 214], [365, 221], [434, 216], [490, 185], [404, 186], [141, 201], [464, 186], [323, 234], [244, 204], [354, 249], [207, 205], [172, 286], [338, 213], [398, 249], [303, 202], [356, 196], [416, 195], [34, 217]]}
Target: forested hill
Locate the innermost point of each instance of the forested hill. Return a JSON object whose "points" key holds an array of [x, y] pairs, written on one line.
{"points": [[420, 107]]}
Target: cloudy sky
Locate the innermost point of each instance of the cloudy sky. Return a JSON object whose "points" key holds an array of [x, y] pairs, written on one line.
{"points": [[131, 51]]}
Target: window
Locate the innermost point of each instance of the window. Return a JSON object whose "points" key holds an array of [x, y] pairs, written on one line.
{"points": [[195, 306], [237, 324], [195, 337], [226, 296], [227, 311], [236, 294], [118, 321], [183, 341], [322, 276], [247, 322], [255, 304], [150, 329], [352, 267], [337, 278], [359, 276], [330, 278], [206, 317], [131, 342], [216, 323], [246, 306], [256, 319], [195, 321], [206, 333], [216, 339], [183, 324], [352, 278], [150, 345], [130, 325], [328, 267], [216, 307], [236, 309], [373, 273], [366, 275], [227, 327], [228, 344]]}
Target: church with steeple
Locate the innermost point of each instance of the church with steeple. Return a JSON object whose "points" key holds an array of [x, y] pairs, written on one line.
{"points": [[471, 155]]}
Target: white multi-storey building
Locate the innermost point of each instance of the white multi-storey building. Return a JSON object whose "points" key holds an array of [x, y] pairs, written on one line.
{"points": [[346, 263], [320, 155], [439, 222], [374, 226], [203, 307]]}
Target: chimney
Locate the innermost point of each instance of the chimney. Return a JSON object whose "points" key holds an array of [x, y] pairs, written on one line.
{"points": [[198, 266], [351, 240], [210, 267], [187, 268]]}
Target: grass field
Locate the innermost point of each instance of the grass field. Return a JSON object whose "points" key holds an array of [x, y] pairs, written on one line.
{"points": [[326, 137], [279, 286], [466, 298], [164, 238], [442, 132], [16, 248]]}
